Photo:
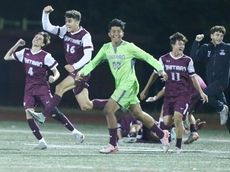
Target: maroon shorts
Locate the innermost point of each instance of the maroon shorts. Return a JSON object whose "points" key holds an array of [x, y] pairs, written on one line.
{"points": [[36, 96], [80, 85], [179, 104]]}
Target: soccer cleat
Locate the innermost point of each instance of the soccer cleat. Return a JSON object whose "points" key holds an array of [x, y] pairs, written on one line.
{"points": [[109, 149], [79, 137], [41, 146], [165, 141], [192, 137], [39, 117], [178, 150], [200, 124], [224, 115]]}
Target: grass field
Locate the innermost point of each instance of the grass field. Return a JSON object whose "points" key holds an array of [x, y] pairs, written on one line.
{"points": [[210, 153]]}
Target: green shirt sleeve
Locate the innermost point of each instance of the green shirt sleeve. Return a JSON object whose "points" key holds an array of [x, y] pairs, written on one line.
{"points": [[93, 64], [142, 55]]}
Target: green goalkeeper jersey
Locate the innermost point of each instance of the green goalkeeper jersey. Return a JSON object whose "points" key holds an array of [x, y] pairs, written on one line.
{"points": [[121, 62]]}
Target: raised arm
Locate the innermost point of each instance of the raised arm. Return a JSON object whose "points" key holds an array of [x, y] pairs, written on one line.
{"points": [[197, 51], [8, 55], [47, 26]]}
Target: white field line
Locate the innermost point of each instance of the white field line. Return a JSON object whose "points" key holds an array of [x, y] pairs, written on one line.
{"points": [[130, 149], [96, 135], [48, 132]]}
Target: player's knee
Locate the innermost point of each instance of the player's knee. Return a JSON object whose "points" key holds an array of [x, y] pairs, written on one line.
{"points": [[177, 117], [59, 89], [107, 111], [137, 114]]}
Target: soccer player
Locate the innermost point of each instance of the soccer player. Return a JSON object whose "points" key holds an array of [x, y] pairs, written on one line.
{"points": [[216, 56], [194, 125], [129, 129], [78, 49], [180, 71], [121, 57], [37, 90]]}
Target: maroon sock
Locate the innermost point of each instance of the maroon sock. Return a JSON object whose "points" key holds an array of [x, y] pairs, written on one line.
{"points": [[59, 116], [53, 103], [35, 129], [193, 128], [64, 120], [178, 142], [113, 136], [159, 132], [164, 127], [99, 103]]}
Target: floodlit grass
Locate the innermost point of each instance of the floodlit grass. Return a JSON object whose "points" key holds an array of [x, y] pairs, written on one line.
{"points": [[210, 153]]}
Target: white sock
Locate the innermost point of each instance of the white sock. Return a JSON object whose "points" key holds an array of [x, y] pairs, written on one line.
{"points": [[42, 140]]}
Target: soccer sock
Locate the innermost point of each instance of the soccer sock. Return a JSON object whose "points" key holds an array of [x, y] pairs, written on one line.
{"points": [[59, 116], [99, 103], [178, 142], [53, 103], [35, 129], [164, 127], [113, 136], [193, 128], [159, 132]]}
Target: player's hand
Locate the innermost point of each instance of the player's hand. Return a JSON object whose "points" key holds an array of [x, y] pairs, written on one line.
{"points": [[143, 95], [151, 99], [199, 37], [21, 42], [69, 68], [164, 76], [48, 9], [204, 97], [78, 77], [51, 79]]}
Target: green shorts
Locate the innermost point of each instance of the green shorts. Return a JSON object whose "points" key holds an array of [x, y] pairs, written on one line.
{"points": [[125, 98]]}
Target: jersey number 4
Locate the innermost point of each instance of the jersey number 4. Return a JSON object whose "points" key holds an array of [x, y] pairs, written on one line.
{"points": [[30, 71]]}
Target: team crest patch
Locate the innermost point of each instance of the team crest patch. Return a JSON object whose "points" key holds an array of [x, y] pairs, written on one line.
{"points": [[222, 52]]}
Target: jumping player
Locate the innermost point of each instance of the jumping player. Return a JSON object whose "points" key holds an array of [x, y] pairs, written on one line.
{"points": [[37, 90]]}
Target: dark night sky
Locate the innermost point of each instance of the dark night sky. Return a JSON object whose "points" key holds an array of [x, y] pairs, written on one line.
{"points": [[149, 24]]}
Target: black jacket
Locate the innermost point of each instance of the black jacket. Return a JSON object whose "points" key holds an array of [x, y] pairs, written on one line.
{"points": [[217, 60]]}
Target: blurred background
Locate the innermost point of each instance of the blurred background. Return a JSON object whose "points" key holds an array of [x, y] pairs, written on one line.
{"points": [[149, 25]]}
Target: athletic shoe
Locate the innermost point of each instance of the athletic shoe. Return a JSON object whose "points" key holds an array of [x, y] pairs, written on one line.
{"points": [[224, 115], [78, 136], [39, 117], [200, 124], [165, 141], [41, 146], [178, 150], [109, 149], [192, 137]]}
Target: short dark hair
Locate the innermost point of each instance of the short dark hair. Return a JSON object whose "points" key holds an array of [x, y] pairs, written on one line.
{"points": [[117, 22], [46, 37], [177, 36], [216, 28], [73, 14]]}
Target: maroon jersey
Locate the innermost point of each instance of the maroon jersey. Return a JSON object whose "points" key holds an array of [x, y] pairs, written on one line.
{"points": [[74, 45], [179, 71], [36, 67]]}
